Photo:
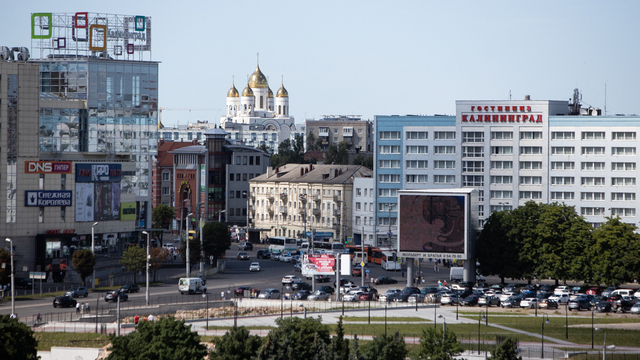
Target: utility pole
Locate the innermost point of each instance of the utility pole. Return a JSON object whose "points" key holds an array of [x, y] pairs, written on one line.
{"points": [[200, 217]]}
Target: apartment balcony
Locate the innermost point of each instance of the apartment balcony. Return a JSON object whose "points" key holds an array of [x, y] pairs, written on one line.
{"points": [[252, 196], [347, 132], [337, 198], [284, 197], [283, 209], [316, 197], [270, 210], [337, 212], [323, 132], [270, 197], [316, 212]]}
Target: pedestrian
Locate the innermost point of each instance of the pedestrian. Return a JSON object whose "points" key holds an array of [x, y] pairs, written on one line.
{"points": [[13, 316], [82, 308], [136, 319], [86, 308], [150, 317], [77, 308], [445, 283], [222, 295]]}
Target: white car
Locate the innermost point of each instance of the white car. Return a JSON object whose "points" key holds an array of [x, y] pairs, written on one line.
{"points": [[348, 287], [530, 303], [562, 290], [352, 295], [285, 258], [290, 279], [255, 266], [560, 299], [504, 296], [637, 294]]}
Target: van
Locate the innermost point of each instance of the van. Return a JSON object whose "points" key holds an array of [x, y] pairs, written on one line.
{"points": [[191, 286], [356, 258], [622, 292], [456, 274]]}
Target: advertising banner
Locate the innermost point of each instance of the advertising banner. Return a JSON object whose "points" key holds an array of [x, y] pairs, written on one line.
{"points": [[47, 198], [107, 204], [98, 173], [47, 167], [128, 211], [84, 202], [203, 178], [318, 265]]}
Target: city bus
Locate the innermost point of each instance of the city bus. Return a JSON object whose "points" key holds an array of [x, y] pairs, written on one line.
{"points": [[328, 247], [282, 244]]}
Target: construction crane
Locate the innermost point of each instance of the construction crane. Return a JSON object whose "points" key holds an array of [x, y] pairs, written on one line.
{"points": [[161, 126]]}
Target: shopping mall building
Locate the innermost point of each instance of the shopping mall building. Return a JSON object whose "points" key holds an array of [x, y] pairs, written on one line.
{"points": [[512, 152]]}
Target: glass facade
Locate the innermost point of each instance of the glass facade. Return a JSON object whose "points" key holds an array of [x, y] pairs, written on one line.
{"points": [[12, 147]]}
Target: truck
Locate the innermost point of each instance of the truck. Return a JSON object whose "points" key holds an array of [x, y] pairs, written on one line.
{"points": [[191, 286], [456, 274]]}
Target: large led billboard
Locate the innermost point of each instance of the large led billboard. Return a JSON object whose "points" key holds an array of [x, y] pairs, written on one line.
{"points": [[436, 223]]}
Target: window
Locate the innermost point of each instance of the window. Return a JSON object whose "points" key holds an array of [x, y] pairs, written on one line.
{"points": [[593, 150], [502, 179], [562, 180], [472, 180], [250, 160], [477, 137], [562, 165], [417, 149], [473, 166], [593, 135], [358, 206], [500, 207], [531, 135], [257, 160], [238, 177], [387, 135], [501, 150], [501, 135], [335, 131], [417, 135], [389, 149], [623, 151], [530, 150], [563, 150], [387, 192], [530, 180], [530, 165], [563, 135], [165, 176], [623, 212], [41, 214], [623, 135], [623, 196], [165, 190], [592, 181], [416, 164], [357, 220], [620, 181], [358, 192], [504, 165], [444, 149], [593, 166], [473, 151], [387, 207], [389, 164], [444, 179], [417, 178], [531, 195], [618, 166], [244, 177], [444, 164], [592, 196], [238, 160], [562, 195], [444, 135], [388, 178], [591, 211], [481, 195], [501, 194]]}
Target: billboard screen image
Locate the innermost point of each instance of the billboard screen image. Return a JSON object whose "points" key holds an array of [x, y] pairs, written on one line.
{"points": [[318, 264]]}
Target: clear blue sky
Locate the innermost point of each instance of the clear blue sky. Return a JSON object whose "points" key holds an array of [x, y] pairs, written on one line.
{"points": [[379, 57]]}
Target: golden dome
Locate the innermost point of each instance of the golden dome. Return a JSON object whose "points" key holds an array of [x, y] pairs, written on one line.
{"points": [[233, 92], [247, 91], [282, 92], [258, 80], [270, 93]]}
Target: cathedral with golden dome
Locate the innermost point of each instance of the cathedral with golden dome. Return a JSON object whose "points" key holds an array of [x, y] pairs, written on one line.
{"points": [[254, 117]]}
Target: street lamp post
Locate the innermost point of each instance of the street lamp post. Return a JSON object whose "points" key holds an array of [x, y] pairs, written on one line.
{"points": [[147, 270], [188, 254], [566, 320], [93, 251], [205, 295], [480, 317], [544, 321], [13, 281], [592, 310], [305, 310], [604, 344], [444, 326], [200, 220]]}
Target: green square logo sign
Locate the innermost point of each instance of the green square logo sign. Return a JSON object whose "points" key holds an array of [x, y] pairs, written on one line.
{"points": [[44, 22]]}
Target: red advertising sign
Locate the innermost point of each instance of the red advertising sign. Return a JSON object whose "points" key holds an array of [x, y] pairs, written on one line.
{"points": [[318, 264], [47, 167]]}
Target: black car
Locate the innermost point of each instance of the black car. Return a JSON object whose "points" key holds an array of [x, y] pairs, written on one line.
{"points": [[623, 304], [428, 290], [301, 295], [64, 301], [405, 293], [470, 300], [511, 302], [322, 278], [114, 295], [263, 254], [328, 289], [245, 245], [547, 304], [579, 304], [300, 285], [23, 283], [382, 280], [603, 306], [130, 288]]}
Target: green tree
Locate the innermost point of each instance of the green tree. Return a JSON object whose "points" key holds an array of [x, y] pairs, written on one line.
{"points": [[522, 231], [17, 340], [385, 347], [433, 346], [364, 160], [354, 351], [194, 250], [216, 240], [165, 338], [5, 271], [337, 154], [134, 260], [312, 142], [83, 263], [158, 257], [508, 350], [236, 344], [265, 148], [615, 253], [296, 338], [340, 345], [161, 217], [495, 250]]}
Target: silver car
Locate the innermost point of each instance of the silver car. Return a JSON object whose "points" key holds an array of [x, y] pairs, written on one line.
{"points": [[635, 309], [78, 292], [269, 294], [318, 295], [255, 266]]}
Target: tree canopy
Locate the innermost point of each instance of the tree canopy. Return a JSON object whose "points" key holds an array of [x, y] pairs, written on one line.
{"points": [[236, 344], [384, 347], [134, 260], [194, 251], [17, 340], [507, 350], [164, 338], [5, 271], [216, 240], [83, 263], [296, 339], [158, 257], [289, 152], [436, 347], [161, 217], [337, 154]]}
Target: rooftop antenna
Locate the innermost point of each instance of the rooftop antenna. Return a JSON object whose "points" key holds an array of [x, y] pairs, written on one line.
{"points": [[258, 57], [605, 99], [509, 94]]}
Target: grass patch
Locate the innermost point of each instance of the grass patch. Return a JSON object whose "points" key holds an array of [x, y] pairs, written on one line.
{"points": [[48, 339], [258, 327], [381, 318]]}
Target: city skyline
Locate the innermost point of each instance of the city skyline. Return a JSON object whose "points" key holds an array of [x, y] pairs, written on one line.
{"points": [[379, 58]]}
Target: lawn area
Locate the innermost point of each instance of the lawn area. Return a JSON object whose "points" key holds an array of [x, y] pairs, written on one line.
{"points": [[48, 339], [381, 318]]}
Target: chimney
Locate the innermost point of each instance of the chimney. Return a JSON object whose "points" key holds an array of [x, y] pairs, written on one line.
{"points": [[269, 171], [301, 171], [527, 97], [336, 173], [160, 141]]}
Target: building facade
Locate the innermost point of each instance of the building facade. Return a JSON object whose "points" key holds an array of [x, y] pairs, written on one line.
{"points": [[295, 198], [512, 152], [332, 130], [364, 225]]}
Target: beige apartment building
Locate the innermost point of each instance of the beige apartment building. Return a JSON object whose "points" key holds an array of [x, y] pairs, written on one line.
{"points": [[296, 199]]}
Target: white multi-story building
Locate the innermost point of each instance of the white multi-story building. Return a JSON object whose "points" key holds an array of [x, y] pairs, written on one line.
{"points": [[512, 152], [364, 228]]}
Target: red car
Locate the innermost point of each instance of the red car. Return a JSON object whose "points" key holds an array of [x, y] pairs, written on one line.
{"points": [[367, 296], [240, 291], [594, 291], [356, 271]]}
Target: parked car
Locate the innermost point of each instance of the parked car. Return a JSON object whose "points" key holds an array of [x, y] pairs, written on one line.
{"points": [[242, 256], [328, 289], [606, 292], [635, 309], [322, 278], [114, 295], [579, 304], [23, 283], [470, 300], [301, 295], [290, 279], [603, 306], [624, 304], [318, 295], [488, 300], [413, 298], [255, 266], [130, 288], [389, 295], [563, 289], [240, 290], [406, 292], [560, 299], [367, 296], [548, 304], [382, 280], [300, 285], [269, 294], [510, 288], [368, 288], [263, 254], [344, 282], [449, 299], [64, 301], [77, 292], [352, 295], [245, 245], [529, 302], [511, 302]]}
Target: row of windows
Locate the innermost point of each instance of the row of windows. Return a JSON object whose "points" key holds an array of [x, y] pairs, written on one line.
{"points": [[247, 160], [417, 135], [506, 135], [593, 135], [564, 195], [412, 178], [241, 177], [595, 211]]}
